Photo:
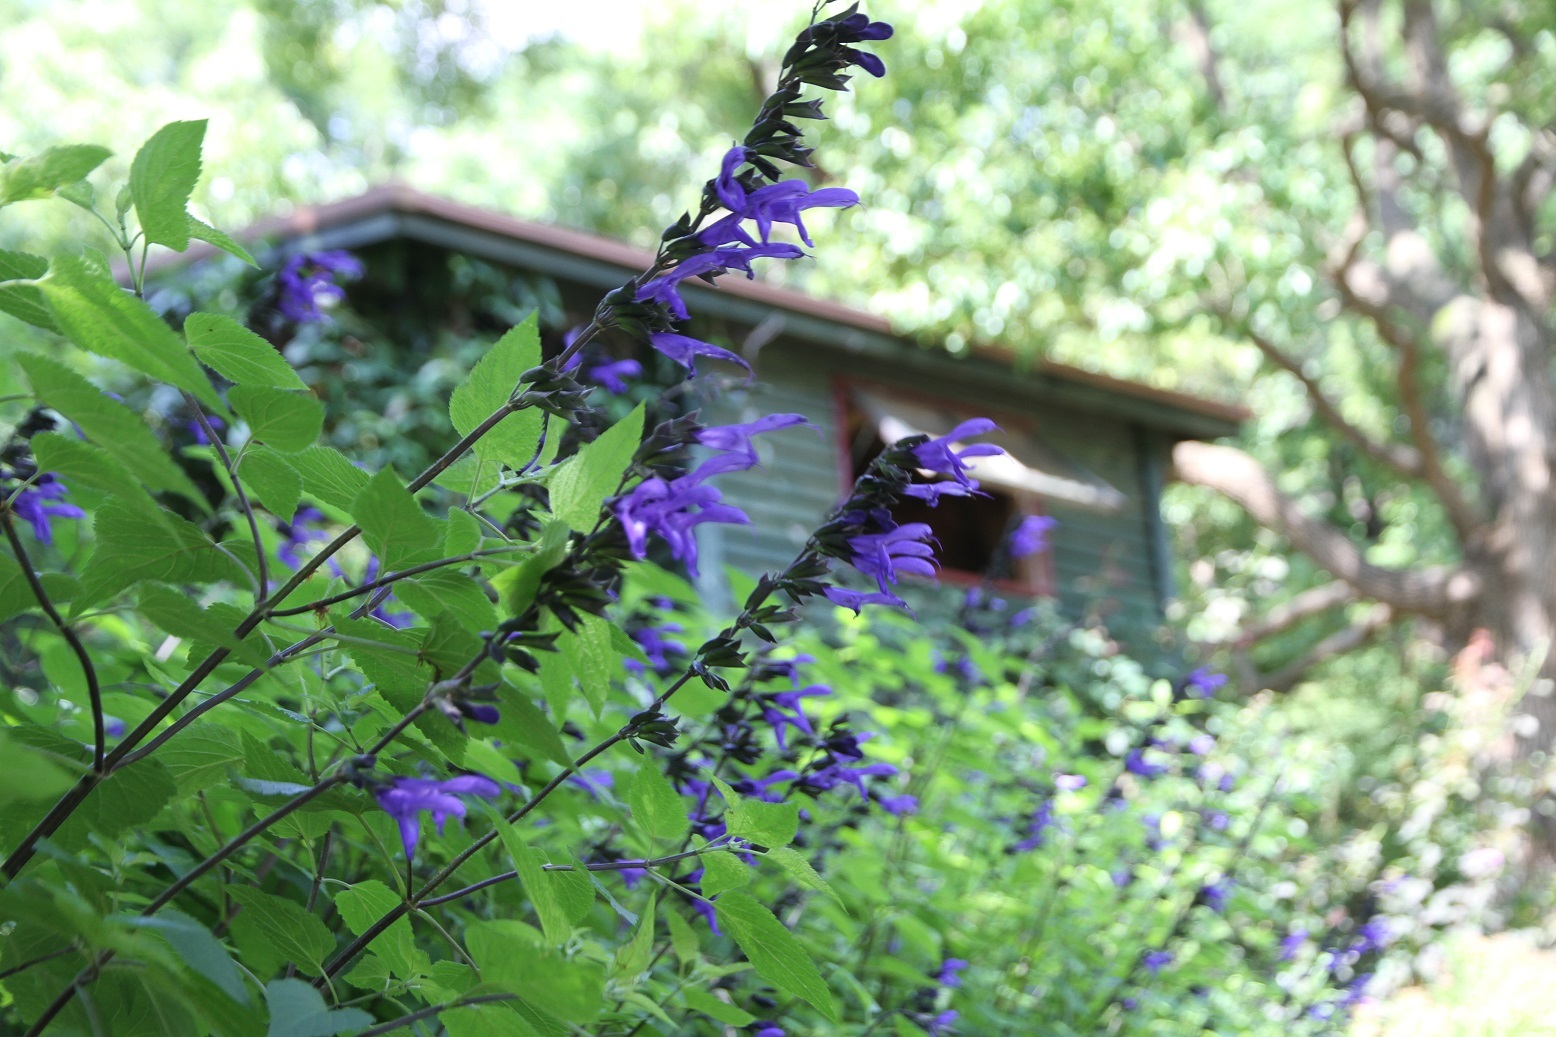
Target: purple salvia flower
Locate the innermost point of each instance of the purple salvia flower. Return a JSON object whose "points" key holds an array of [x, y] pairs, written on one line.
{"points": [[767, 1028], [656, 646], [856, 600], [685, 350], [1031, 536], [1037, 828], [1216, 894], [672, 510], [776, 203], [1155, 961], [39, 504], [307, 280], [1202, 684], [612, 374], [942, 1023], [773, 705], [198, 433], [113, 727], [898, 806], [947, 976], [883, 555], [1293, 943], [738, 453], [405, 798], [945, 454], [665, 288], [1136, 763]]}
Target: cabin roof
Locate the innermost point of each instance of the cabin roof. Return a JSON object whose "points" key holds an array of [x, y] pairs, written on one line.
{"points": [[396, 211]]}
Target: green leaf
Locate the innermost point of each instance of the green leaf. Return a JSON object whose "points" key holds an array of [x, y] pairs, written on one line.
{"points": [[575, 891], [524, 724], [298, 1010], [40, 175], [488, 1020], [519, 585], [704, 1002], [722, 871], [202, 231], [287, 420], [365, 903], [766, 824], [96, 314], [24, 301], [393, 524], [592, 660], [162, 176], [201, 951], [683, 938], [111, 425], [464, 533], [328, 477], [634, 956], [85, 465], [237, 354], [291, 932], [269, 476], [580, 486], [129, 797], [26, 774], [656, 806], [773, 951], [541, 892], [449, 591], [200, 759], [512, 956], [799, 869], [489, 385], [133, 547], [176, 613]]}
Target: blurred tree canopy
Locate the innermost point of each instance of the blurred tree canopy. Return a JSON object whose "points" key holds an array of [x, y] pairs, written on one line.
{"points": [[1331, 210]]}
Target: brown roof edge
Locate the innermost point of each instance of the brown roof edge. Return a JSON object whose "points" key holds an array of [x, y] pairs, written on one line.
{"points": [[395, 197]]}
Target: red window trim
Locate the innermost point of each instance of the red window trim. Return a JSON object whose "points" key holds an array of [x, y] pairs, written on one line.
{"points": [[1042, 583]]}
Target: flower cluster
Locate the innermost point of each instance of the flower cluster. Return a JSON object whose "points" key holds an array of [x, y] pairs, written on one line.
{"points": [[306, 285], [37, 500], [404, 799], [673, 508]]}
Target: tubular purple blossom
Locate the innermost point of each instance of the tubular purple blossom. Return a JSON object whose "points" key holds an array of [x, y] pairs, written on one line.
{"points": [[307, 283], [945, 454], [685, 350], [405, 798], [39, 503], [1030, 536]]}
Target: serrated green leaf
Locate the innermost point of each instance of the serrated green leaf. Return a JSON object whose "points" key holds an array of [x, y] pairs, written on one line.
{"points": [[541, 892], [85, 465], [589, 655], [24, 301], [287, 420], [109, 424], [393, 524], [290, 931], [201, 951], [237, 354], [328, 477], [200, 759], [489, 1020], [40, 175], [524, 724], [633, 957], [176, 613], [683, 939], [269, 477], [704, 1002], [512, 956], [202, 231], [464, 533], [298, 1010], [773, 951], [656, 807], [91, 310], [133, 547], [799, 869], [162, 176], [767, 824], [580, 486], [574, 890], [452, 592], [488, 386], [365, 903], [26, 774], [130, 796], [722, 871]]}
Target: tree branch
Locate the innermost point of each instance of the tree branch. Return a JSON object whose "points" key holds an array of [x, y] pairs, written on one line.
{"points": [[1434, 591], [1345, 640], [1304, 605]]}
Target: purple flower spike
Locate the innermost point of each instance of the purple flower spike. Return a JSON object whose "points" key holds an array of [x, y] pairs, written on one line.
{"points": [[945, 454], [1202, 684], [1136, 763], [38, 504], [405, 798], [1216, 894], [685, 350], [611, 375], [1155, 961], [947, 976], [883, 555], [672, 510], [1292, 944], [739, 453], [307, 284], [1031, 536]]}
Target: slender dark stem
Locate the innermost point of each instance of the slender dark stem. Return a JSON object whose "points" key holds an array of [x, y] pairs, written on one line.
{"points": [[427, 1013], [237, 488], [394, 577], [652, 862], [24, 966], [93, 691]]}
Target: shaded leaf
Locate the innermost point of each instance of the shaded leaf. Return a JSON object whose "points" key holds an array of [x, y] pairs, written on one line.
{"points": [[488, 386], [580, 486], [162, 176], [773, 951]]}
